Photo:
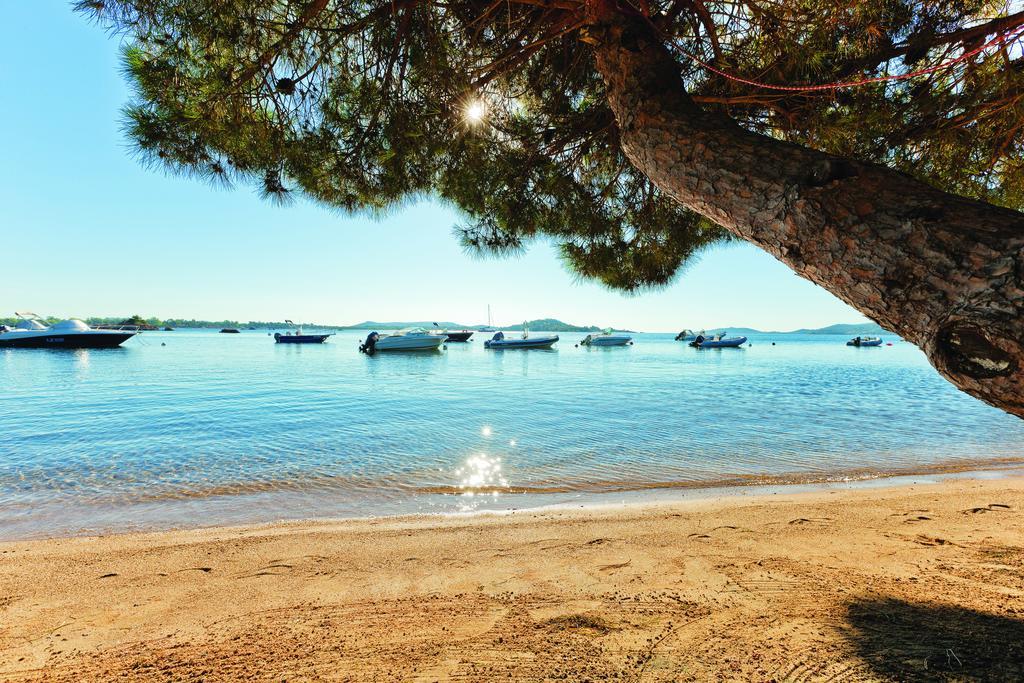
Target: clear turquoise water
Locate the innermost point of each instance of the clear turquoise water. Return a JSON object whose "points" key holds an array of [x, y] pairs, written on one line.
{"points": [[214, 428]]}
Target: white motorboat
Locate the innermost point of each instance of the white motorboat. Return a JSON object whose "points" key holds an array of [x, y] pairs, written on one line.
{"points": [[409, 339], [606, 338], [33, 333]]}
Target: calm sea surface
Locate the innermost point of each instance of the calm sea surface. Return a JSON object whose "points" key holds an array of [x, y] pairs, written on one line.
{"points": [[196, 428]]}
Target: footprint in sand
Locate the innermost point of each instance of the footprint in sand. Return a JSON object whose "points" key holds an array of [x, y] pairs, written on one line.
{"points": [[268, 571], [931, 540], [725, 527], [991, 507], [915, 520], [810, 520], [613, 567]]}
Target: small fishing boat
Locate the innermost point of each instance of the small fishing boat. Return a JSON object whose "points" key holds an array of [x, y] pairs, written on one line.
{"points": [[409, 339], [687, 335], [33, 333], [498, 341], [297, 336], [229, 330], [865, 341], [606, 338], [718, 341]]}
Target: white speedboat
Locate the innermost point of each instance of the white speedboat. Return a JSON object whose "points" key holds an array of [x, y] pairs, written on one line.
{"points": [[606, 338], [409, 339], [33, 333]]}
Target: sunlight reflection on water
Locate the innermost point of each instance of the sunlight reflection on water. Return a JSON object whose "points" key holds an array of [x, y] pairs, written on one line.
{"points": [[481, 471]]}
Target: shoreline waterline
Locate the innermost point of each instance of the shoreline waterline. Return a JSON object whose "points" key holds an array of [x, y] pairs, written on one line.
{"points": [[634, 497]]}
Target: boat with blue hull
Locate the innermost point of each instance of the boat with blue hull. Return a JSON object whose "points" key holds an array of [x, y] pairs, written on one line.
{"points": [[289, 338], [33, 333], [499, 341], [719, 341], [297, 336], [865, 341]]}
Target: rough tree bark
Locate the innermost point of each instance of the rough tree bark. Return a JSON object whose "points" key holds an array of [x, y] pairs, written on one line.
{"points": [[944, 272]]}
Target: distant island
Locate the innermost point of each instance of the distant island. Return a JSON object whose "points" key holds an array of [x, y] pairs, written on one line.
{"points": [[540, 324], [158, 324], [862, 329], [545, 324]]}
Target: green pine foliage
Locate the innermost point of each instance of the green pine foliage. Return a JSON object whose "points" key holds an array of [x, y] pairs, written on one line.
{"points": [[495, 107]]}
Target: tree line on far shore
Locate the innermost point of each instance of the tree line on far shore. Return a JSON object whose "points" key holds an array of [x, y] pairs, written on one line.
{"points": [[153, 322]]}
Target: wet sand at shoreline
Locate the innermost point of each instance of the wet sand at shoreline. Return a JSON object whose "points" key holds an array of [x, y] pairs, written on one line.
{"points": [[922, 582]]}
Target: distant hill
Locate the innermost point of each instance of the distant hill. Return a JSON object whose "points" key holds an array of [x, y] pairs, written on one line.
{"points": [[542, 324], [854, 328], [552, 325], [863, 329], [539, 325], [426, 324]]}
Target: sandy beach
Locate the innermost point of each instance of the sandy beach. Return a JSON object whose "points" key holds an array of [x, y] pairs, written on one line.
{"points": [[916, 582]]}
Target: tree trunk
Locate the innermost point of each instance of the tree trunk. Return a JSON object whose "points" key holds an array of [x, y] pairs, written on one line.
{"points": [[944, 272]]}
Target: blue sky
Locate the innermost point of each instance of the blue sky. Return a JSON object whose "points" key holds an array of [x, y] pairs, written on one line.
{"points": [[87, 230]]}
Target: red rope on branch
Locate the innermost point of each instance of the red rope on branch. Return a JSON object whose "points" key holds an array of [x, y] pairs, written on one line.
{"points": [[1002, 38]]}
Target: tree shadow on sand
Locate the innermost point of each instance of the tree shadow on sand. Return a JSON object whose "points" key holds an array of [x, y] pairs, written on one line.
{"points": [[906, 641]]}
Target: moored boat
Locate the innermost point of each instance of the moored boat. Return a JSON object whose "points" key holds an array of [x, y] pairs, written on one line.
{"points": [[687, 335], [718, 341], [33, 333], [865, 341], [297, 336], [606, 338], [229, 330], [499, 341], [458, 336], [489, 327], [409, 339]]}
